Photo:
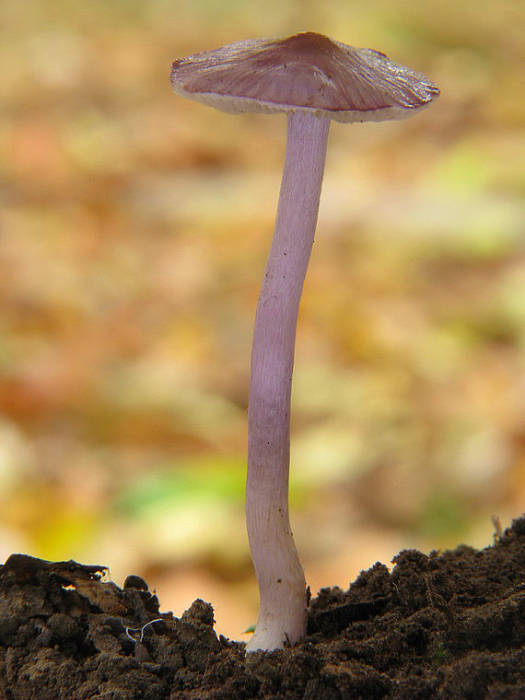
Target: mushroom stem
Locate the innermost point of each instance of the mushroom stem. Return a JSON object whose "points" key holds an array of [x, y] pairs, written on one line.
{"points": [[282, 586]]}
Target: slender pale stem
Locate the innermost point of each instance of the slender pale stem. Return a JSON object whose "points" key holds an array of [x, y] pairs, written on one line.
{"points": [[282, 587]]}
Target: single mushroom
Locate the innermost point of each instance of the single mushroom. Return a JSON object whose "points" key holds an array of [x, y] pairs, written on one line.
{"points": [[313, 80]]}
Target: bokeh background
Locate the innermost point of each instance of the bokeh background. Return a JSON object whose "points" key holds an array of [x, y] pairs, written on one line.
{"points": [[134, 231]]}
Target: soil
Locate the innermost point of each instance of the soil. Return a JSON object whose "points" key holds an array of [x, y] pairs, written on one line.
{"points": [[448, 625]]}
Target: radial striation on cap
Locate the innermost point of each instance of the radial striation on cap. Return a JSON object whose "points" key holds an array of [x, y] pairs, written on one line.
{"points": [[307, 71]]}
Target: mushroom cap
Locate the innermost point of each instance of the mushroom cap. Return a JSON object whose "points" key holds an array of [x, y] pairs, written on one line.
{"points": [[307, 72]]}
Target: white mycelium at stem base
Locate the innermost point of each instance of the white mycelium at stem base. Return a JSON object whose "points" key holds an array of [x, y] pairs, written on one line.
{"points": [[282, 587]]}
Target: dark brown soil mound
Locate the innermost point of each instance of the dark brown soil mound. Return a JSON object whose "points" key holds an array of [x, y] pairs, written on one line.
{"points": [[447, 626]]}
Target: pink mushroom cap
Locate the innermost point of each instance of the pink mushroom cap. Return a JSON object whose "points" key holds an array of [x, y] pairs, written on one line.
{"points": [[307, 71]]}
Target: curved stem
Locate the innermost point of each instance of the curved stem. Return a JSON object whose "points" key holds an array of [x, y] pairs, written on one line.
{"points": [[282, 587]]}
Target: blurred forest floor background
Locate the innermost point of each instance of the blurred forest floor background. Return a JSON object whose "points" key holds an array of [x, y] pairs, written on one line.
{"points": [[134, 231]]}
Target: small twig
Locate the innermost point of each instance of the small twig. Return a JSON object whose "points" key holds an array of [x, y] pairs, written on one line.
{"points": [[498, 530]]}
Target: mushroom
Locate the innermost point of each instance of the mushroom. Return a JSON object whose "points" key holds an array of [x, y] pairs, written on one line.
{"points": [[313, 80]]}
